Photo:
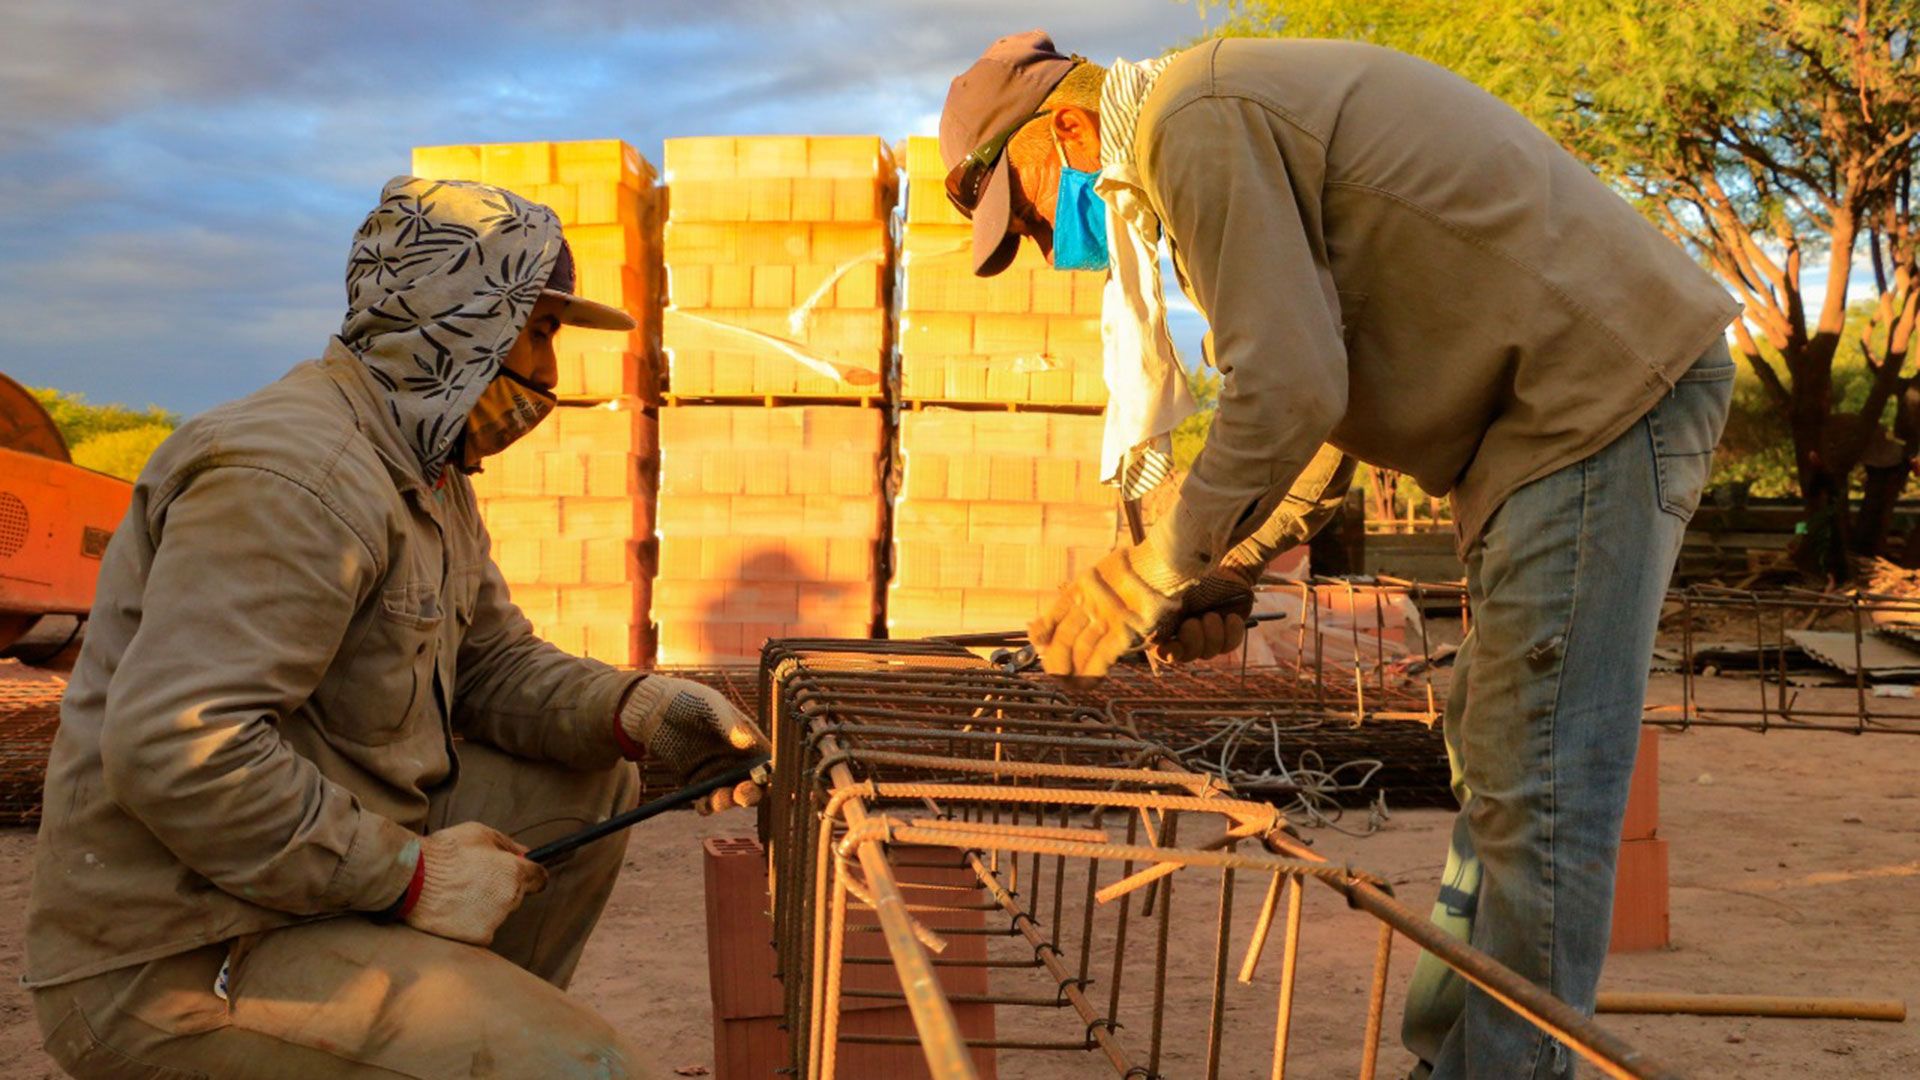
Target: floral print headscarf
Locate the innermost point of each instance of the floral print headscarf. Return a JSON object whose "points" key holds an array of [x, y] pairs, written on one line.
{"points": [[442, 279]]}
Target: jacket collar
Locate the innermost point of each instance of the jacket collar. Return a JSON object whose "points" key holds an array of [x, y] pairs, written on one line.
{"points": [[374, 421]]}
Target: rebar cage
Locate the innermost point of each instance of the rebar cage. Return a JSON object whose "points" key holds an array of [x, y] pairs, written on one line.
{"points": [[1859, 640], [1061, 844]]}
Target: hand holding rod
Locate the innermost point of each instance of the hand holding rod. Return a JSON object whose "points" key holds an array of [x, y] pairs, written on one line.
{"points": [[1019, 637], [547, 853]]}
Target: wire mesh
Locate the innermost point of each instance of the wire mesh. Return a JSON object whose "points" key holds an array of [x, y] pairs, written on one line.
{"points": [[29, 716]]}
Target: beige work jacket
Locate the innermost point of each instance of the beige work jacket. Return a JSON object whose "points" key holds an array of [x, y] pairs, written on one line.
{"points": [[1393, 261], [289, 630]]}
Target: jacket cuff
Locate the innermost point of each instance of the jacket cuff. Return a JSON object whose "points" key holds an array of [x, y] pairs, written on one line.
{"points": [[630, 748], [399, 909], [379, 864], [1178, 542], [604, 702]]}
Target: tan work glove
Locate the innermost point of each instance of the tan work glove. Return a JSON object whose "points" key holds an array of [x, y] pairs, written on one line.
{"points": [[473, 877], [695, 731], [1114, 606]]}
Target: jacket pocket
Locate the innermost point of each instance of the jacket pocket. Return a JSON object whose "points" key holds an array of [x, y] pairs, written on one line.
{"points": [[1685, 427], [384, 691]]}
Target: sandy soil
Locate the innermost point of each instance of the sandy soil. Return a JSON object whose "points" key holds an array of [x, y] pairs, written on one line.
{"points": [[1796, 869]]}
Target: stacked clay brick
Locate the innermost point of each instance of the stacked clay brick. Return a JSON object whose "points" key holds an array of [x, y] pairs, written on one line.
{"points": [[1029, 335], [769, 521], [1000, 501], [779, 259], [570, 505], [779, 263], [996, 511]]}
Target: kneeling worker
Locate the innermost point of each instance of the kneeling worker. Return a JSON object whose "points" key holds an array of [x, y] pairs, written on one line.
{"points": [[1397, 268], [263, 852]]}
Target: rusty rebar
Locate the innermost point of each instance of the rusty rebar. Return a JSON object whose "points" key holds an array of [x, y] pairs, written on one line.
{"points": [[1021, 801]]}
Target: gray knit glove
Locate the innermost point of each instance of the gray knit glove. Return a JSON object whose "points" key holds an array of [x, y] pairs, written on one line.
{"points": [[1212, 617], [695, 732]]}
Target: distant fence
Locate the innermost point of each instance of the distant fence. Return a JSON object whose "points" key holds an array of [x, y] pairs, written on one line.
{"points": [[1724, 543]]}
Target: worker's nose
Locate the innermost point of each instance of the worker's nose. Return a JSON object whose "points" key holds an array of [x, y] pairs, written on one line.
{"points": [[546, 368]]}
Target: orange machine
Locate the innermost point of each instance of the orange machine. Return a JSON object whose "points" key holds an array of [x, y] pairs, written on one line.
{"points": [[55, 521]]}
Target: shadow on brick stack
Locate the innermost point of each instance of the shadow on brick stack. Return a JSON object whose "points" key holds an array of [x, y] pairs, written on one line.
{"points": [[1000, 501], [570, 505], [779, 260]]}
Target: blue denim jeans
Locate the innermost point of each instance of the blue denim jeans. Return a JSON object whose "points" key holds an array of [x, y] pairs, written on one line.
{"points": [[1543, 721]]}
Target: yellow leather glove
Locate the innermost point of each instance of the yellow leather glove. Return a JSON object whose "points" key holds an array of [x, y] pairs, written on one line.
{"points": [[1108, 610], [471, 878], [695, 731]]}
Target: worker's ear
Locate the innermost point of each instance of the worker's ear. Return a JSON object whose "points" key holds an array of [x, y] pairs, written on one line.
{"points": [[1078, 133]]}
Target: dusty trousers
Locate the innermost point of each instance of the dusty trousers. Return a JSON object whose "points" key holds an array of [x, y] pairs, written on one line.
{"points": [[349, 997], [1543, 724]]}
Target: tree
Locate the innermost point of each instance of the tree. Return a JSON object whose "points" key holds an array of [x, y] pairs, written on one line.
{"points": [[121, 453], [112, 439], [80, 420], [1762, 134], [1191, 435]]}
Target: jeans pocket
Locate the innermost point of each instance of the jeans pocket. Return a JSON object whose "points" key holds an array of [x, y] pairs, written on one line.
{"points": [[1684, 428]]}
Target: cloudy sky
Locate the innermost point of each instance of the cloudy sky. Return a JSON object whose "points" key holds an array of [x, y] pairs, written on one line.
{"points": [[178, 181]]}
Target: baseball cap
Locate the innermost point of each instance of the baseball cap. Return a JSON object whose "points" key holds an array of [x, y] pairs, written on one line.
{"points": [[578, 310], [1008, 83]]}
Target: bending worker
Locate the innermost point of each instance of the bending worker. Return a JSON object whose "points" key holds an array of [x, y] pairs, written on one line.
{"points": [[1395, 267], [264, 853]]}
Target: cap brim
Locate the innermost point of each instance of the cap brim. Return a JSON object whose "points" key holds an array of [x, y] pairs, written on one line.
{"points": [[994, 247], [580, 311]]}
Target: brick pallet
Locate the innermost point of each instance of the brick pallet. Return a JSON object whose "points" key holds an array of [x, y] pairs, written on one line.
{"points": [[996, 511], [779, 263], [779, 260], [1028, 336], [570, 510], [770, 523], [570, 506]]}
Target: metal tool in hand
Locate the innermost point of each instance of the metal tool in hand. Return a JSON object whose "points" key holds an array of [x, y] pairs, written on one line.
{"points": [[1016, 660], [759, 770]]}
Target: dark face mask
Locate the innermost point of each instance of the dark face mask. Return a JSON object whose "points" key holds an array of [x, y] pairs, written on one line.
{"points": [[508, 408]]}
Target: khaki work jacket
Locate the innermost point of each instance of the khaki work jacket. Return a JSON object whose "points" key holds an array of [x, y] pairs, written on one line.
{"points": [[1394, 262], [289, 630]]}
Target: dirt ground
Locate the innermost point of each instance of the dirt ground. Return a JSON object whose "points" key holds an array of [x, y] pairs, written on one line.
{"points": [[1795, 870]]}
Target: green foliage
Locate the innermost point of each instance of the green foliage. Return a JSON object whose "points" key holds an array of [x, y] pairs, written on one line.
{"points": [[1191, 435], [121, 453], [79, 420], [1614, 80], [1764, 135], [1757, 447], [112, 439]]}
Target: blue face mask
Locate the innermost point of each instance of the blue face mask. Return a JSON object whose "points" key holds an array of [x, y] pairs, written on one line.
{"points": [[1079, 222]]}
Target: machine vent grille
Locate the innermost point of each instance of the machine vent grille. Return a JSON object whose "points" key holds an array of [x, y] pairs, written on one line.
{"points": [[13, 524]]}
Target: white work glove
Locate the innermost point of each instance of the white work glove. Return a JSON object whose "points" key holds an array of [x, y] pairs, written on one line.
{"points": [[1106, 611], [696, 732], [473, 877]]}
